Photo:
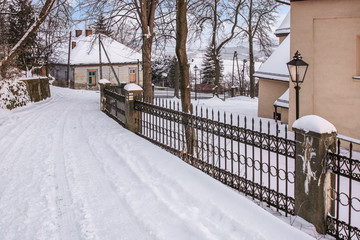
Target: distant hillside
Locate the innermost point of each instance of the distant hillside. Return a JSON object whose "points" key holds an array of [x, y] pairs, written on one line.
{"points": [[228, 53]]}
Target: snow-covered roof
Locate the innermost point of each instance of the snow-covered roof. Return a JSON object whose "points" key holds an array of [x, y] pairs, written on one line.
{"points": [[275, 67], [283, 100], [86, 51], [284, 27]]}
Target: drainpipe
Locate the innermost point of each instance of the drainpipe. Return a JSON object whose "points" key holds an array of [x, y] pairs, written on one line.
{"points": [[68, 66]]}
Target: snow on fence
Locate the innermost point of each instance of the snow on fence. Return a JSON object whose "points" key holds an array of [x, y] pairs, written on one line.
{"points": [[257, 159]]}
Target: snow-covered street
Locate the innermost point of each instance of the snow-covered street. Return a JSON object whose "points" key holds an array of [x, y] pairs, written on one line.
{"points": [[68, 171]]}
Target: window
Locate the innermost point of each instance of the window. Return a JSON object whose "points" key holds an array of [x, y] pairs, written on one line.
{"points": [[91, 77], [132, 75], [357, 76], [277, 116]]}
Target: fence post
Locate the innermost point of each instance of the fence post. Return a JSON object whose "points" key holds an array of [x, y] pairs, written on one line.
{"points": [[103, 84], [132, 92], [314, 136], [233, 91]]}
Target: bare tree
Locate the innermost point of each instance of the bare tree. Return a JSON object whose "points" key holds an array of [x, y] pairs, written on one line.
{"points": [[52, 33], [136, 15], [181, 38], [257, 18], [146, 11], [217, 15], [45, 11]]}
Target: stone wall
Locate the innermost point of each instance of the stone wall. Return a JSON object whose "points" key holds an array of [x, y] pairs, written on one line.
{"points": [[38, 88]]}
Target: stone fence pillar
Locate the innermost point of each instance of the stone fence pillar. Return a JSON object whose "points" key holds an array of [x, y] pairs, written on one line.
{"points": [[132, 92], [37, 87], [313, 182], [103, 84]]}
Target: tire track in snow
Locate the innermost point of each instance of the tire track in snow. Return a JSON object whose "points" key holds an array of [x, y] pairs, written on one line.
{"points": [[95, 181], [180, 201], [27, 112], [172, 215], [183, 205], [26, 177], [66, 220], [17, 126]]}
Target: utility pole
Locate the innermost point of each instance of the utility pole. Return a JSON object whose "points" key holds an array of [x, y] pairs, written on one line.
{"points": [[101, 76], [68, 65]]}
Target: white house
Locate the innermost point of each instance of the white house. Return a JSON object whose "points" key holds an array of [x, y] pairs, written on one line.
{"points": [[118, 62]]}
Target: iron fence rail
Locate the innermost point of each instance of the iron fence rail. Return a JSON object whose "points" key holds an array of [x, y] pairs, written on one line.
{"points": [[115, 104], [345, 222], [254, 162]]}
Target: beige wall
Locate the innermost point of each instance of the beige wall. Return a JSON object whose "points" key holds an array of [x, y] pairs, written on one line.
{"points": [[326, 33], [269, 92], [81, 74], [281, 39], [284, 114]]}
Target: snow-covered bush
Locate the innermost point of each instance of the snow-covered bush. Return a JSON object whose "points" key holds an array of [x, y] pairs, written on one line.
{"points": [[13, 93]]}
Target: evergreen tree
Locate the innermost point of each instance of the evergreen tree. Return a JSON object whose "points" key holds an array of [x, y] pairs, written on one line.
{"points": [[101, 26], [208, 66], [173, 75], [160, 70], [21, 17]]}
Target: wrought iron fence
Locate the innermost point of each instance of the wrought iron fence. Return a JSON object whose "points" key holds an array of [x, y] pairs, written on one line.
{"points": [[256, 159], [115, 104], [345, 164], [237, 152]]}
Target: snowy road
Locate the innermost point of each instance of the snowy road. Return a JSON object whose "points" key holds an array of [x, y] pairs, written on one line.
{"points": [[67, 171]]}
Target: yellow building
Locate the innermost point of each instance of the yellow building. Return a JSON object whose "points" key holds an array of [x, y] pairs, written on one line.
{"points": [[274, 78], [327, 34]]}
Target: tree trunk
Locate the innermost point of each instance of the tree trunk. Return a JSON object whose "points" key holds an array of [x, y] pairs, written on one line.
{"points": [[147, 76], [181, 37], [146, 11], [252, 67], [214, 52], [251, 51], [176, 80]]}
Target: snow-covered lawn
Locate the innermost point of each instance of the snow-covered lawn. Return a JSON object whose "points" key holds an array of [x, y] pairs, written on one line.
{"points": [[70, 172]]}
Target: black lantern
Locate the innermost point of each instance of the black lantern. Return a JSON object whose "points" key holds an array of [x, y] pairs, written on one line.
{"points": [[297, 70]]}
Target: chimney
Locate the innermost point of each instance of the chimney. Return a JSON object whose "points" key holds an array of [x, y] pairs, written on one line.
{"points": [[88, 32], [78, 33], [73, 45]]}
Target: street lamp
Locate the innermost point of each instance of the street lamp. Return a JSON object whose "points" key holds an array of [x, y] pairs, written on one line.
{"points": [[195, 68], [242, 83], [297, 70]]}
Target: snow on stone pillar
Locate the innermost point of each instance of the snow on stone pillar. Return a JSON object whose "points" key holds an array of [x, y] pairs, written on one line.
{"points": [[313, 182], [132, 92], [103, 84]]}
